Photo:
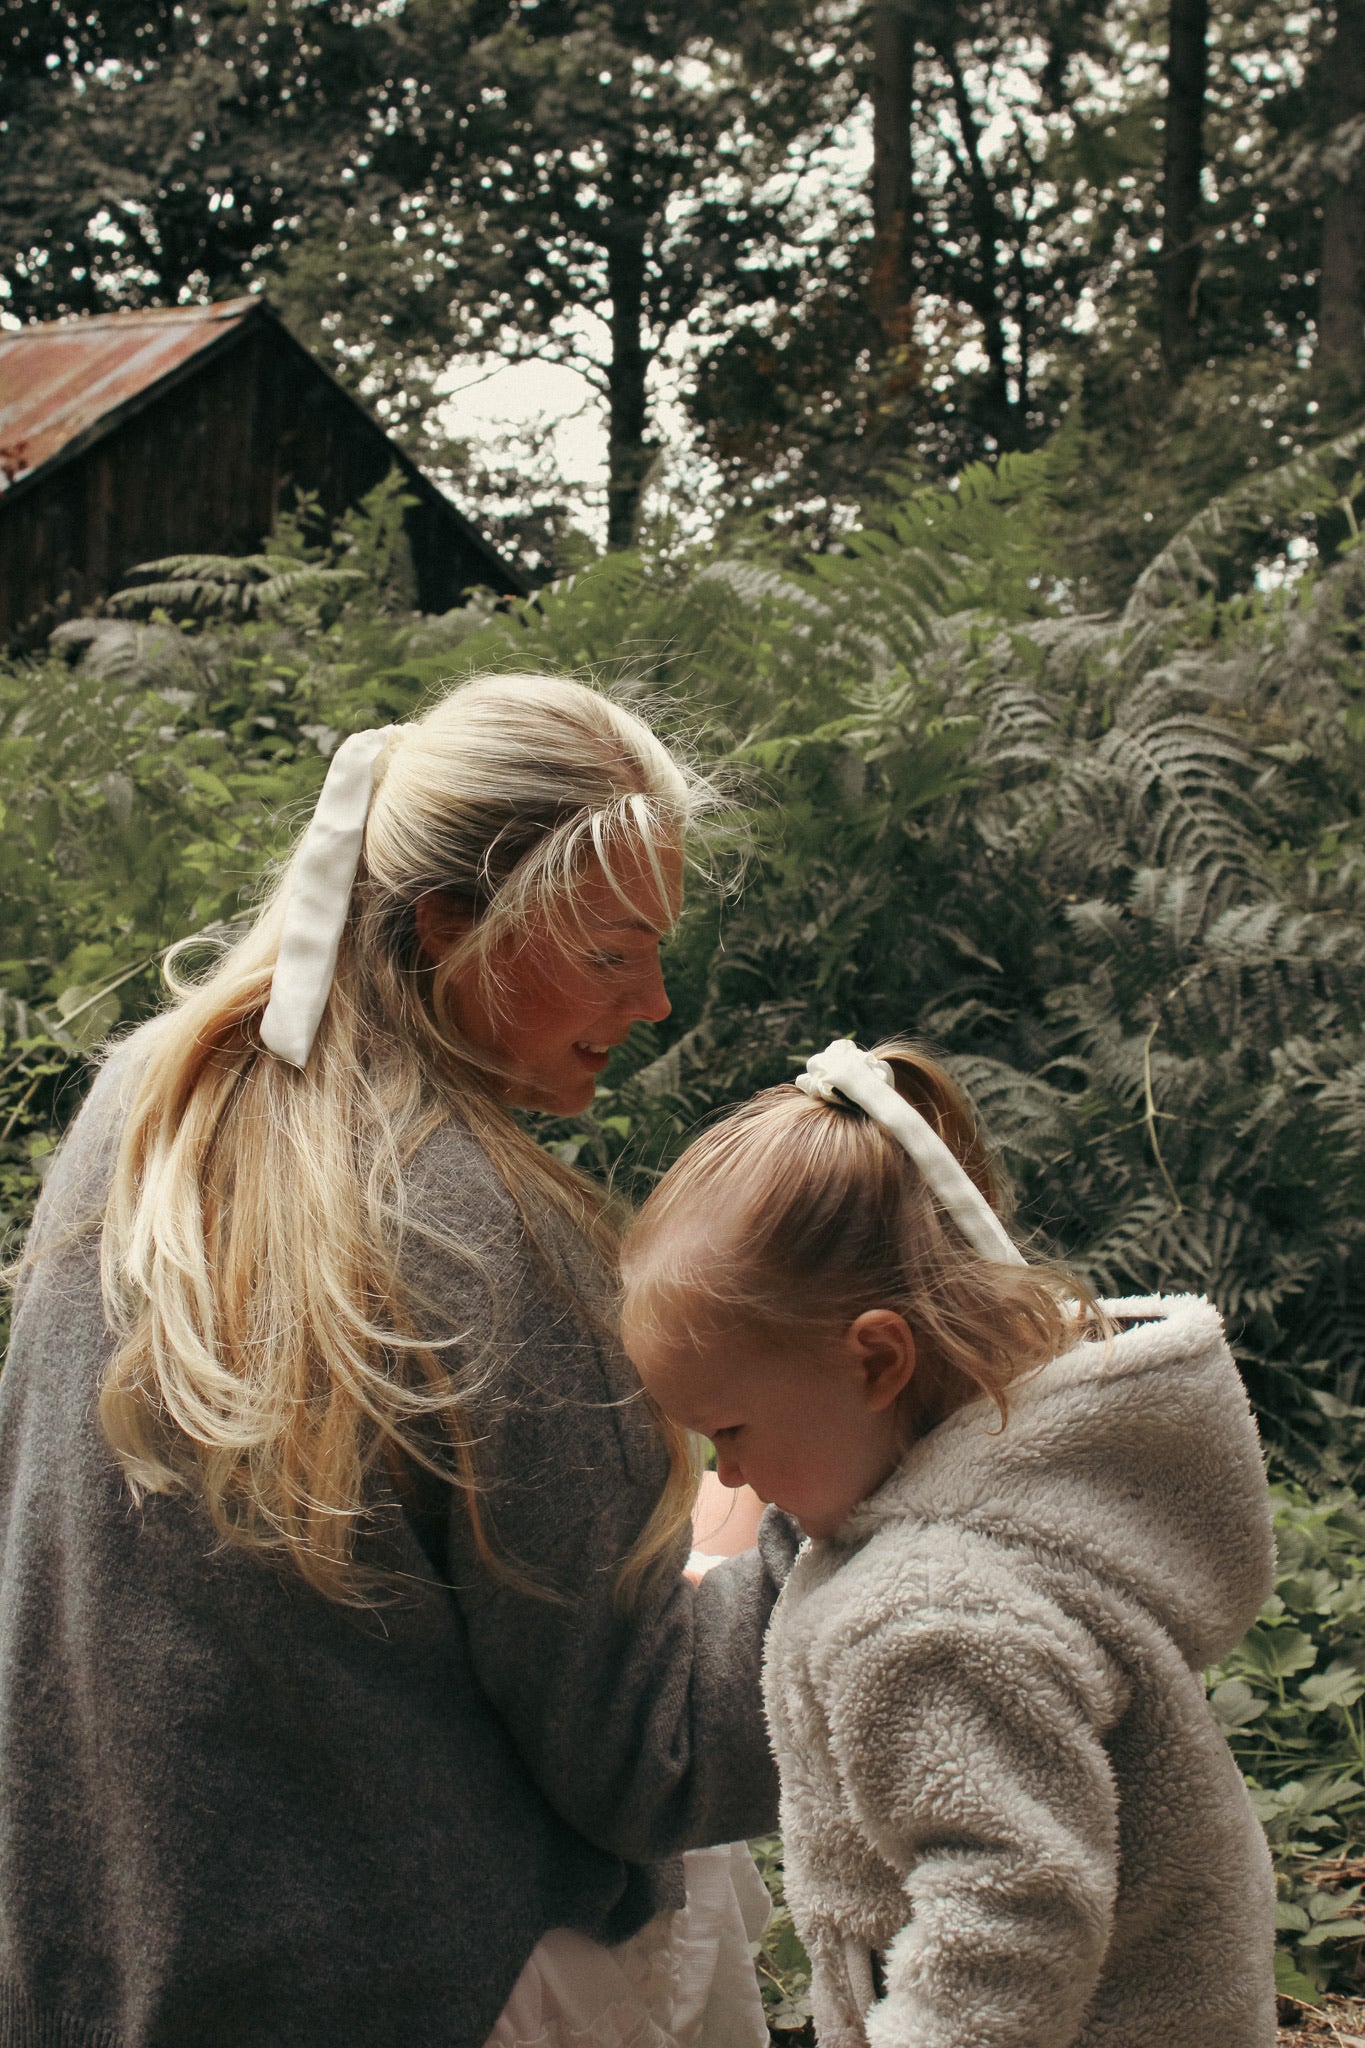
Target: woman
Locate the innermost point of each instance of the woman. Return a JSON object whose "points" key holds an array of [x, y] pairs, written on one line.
{"points": [[346, 1661]]}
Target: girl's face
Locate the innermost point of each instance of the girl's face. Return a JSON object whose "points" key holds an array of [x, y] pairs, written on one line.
{"points": [[807, 1420], [560, 1008]]}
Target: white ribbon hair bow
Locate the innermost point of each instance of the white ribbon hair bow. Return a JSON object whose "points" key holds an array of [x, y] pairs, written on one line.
{"points": [[860, 1077], [319, 897]]}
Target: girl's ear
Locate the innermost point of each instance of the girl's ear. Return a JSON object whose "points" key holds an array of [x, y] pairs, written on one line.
{"points": [[882, 1346], [441, 924]]}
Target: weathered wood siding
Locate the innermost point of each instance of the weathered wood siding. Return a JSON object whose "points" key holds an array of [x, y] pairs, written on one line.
{"points": [[204, 466]]}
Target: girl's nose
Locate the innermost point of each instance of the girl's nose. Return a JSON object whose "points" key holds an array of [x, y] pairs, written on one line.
{"points": [[727, 1469]]}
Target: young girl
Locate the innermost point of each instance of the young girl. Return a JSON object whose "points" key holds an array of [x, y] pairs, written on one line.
{"points": [[1009, 1818], [351, 1691]]}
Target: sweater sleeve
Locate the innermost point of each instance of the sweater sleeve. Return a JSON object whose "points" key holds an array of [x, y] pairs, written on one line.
{"points": [[642, 1727], [970, 1744]]}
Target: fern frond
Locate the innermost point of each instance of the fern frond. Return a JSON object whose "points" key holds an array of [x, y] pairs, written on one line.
{"points": [[755, 585], [1255, 934], [1022, 1113], [240, 584], [1162, 795], [1186, 571]]}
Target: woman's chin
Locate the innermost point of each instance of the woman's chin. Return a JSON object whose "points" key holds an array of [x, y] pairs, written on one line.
{"points": [[551, 1094], [577, 1095]]}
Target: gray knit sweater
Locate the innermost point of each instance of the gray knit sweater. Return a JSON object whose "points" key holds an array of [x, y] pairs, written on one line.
{"points": [[999, 1770], [234, 1813]]}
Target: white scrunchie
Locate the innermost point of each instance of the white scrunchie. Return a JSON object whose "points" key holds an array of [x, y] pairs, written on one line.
{"points": [[319, 897], [844, 1069]]}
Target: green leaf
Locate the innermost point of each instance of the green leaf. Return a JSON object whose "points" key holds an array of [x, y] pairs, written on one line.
{"points": [[1341, 1685], [1290, 1982], [1333, 1930], [1234, 1704], [45, 820], [1278, 1652], [1326, 1905], [209, 784], [90, 1013]]}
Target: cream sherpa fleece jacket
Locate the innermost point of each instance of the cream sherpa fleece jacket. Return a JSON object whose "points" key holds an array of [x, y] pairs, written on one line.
{"points": [[999, 1772]]}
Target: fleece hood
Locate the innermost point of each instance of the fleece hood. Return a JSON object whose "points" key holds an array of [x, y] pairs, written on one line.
{"points": [[1135, 1459]]}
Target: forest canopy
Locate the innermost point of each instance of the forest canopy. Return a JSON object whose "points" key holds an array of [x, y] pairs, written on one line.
{"points": [[847, 239]]}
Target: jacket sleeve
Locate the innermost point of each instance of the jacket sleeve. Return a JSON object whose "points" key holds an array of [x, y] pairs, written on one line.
{"points": [[642, 1727], [970, 1745]]}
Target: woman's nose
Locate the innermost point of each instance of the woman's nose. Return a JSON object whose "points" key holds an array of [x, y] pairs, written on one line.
{"points": [[649, 997]]}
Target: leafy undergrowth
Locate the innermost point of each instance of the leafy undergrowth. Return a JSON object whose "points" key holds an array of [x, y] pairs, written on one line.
{"points": [[783, 1967], [1291, 1701]]}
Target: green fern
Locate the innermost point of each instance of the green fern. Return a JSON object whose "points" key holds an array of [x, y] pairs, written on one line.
{"points": [[235, 585], [1113, 865], [1124, 896]]}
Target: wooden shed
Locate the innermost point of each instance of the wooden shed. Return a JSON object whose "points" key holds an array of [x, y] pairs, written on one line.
{"points": [[125, 437]]}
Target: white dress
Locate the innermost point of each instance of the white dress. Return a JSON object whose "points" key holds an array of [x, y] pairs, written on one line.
{"points": [[686, 1980]]}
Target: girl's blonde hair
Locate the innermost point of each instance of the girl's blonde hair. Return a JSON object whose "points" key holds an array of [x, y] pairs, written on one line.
{"points": [[265, 1354], [793, 1213]]}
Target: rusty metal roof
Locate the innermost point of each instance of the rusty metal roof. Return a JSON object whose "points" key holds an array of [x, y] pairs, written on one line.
{"points": [[62, 378]]}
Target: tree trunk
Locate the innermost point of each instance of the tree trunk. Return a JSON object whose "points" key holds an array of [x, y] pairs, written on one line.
{"points": [[893, 85], [1341, 302], [1187, 77], [628, 451], [1005, 417]]}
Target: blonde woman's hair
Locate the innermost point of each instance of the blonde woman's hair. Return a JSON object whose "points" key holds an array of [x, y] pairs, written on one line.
{"points": [[265, 1354], [798, 1213]]}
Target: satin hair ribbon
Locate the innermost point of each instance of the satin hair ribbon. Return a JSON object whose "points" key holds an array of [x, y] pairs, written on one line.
{"points": [[844, 1069], [320, 887]]}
